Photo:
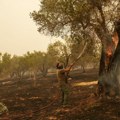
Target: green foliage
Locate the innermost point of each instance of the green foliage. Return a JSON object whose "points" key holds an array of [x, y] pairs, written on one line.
{"points": [[38, 62], [60, 51], [18, 66], [55, 15], [83, 18], [6, 58]]}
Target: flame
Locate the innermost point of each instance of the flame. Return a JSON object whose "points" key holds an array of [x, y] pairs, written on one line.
{"points": [[110, 50], [115, 39], [109, 53]]}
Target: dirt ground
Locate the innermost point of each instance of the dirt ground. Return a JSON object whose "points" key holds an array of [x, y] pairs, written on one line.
{"points": [[27, 102]]}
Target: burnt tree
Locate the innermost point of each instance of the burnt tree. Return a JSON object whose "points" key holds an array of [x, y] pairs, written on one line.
{"points": [[110, 77]]}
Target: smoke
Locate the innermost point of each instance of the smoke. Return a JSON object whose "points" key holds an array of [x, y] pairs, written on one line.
{"points": [[111, 79]]}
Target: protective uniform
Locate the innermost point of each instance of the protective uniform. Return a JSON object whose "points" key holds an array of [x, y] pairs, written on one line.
{"points": [[64, 87]]}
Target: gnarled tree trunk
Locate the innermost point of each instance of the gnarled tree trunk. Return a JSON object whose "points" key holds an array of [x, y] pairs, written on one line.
{"points": [[110, 80]]}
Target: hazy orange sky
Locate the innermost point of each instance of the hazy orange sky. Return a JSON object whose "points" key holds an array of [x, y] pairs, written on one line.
{"points": [[18, 32]]}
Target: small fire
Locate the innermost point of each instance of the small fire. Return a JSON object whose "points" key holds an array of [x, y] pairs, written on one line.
{"points": [[111, 48], [115, 38]]}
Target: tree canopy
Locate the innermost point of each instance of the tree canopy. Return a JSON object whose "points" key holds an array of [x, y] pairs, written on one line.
{"points": [[86, 19], [59, 17]]}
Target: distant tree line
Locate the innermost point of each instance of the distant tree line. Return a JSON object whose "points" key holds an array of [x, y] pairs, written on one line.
{"points": [[37, 63]]}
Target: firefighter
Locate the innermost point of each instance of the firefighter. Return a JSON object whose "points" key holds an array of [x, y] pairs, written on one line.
{"points": [[63, 82]]}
